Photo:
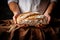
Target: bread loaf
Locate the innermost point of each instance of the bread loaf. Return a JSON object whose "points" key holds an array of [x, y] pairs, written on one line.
{"points": [[31, 18]]}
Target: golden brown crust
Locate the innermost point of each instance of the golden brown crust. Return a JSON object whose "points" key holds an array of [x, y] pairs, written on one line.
{"points": [[26, 15], [31, 18]]}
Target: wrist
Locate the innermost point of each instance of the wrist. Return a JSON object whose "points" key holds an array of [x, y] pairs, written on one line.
{"points": [[15, 13], [46, 13]]}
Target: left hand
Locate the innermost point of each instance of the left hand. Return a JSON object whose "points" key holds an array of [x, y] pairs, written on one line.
{"points": [[48, 17], [41, 25]]}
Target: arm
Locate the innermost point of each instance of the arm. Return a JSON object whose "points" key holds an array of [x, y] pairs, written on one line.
{"points": [[15, 9], [49, 10]]}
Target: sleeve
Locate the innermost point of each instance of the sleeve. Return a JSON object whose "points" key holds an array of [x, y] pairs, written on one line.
{"points": [[53, 0], [12, 1]]}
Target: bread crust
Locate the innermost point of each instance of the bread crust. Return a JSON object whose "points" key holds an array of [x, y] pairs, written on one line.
{"points": [[31, 19]]}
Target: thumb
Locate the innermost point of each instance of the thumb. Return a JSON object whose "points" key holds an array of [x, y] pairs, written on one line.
{"points": [[49, 18], [14, 20]]}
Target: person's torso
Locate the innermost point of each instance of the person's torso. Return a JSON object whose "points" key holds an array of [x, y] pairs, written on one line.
{"points": [[29, 5]]}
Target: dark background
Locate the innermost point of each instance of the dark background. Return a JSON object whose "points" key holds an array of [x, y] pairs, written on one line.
{"points": [[5, 12]]}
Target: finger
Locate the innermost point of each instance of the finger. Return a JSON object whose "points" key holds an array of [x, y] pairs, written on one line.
{"points": [[20, 25], [37, 25], [26, 25], [49, 19], [14, 19]]}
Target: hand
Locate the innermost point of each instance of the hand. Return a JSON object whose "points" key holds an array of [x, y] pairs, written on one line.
{"points": [[15, 18], [22, 25], [48, 17], [42, 25], [39, 25]]}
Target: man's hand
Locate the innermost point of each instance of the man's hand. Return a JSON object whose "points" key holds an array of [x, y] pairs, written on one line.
{"points": [[48, 17], [48, 21], [14, 7], [39, 25], [15, 21], [15, 17]]}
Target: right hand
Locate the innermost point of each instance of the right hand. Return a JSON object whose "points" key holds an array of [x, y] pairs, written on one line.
{"points": [[15, 18], [15, 21]]}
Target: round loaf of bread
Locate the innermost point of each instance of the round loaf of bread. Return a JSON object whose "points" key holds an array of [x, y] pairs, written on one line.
{"points": [[32, 19]]}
